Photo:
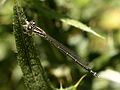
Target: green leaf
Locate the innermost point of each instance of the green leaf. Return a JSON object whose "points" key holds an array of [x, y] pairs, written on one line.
{"points": [[73, 87], [49, 13], [80, 25], [76, 85], [33, 73]]}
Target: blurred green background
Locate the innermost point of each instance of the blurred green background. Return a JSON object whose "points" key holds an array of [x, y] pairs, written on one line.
{"points": [[103, 16]]}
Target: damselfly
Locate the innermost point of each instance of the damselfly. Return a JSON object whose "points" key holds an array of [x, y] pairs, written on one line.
{"points": [[31, 27]]}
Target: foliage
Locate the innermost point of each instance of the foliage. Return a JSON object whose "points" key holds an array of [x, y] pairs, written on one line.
{"points": [[53, 16], [33, 73]]}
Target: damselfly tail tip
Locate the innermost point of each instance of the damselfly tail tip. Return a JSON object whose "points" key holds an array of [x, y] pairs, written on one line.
{"points": [[94, 73]]}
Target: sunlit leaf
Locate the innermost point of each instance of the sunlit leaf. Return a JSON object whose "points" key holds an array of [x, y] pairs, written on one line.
{"points": [[73, 87], [80, 25]]}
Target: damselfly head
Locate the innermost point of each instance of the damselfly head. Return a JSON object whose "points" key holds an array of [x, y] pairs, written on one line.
{"points": [[29, 25]]}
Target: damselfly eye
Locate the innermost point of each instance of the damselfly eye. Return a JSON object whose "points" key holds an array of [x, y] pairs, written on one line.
{"points": [[33, 22], [29, 27]]}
